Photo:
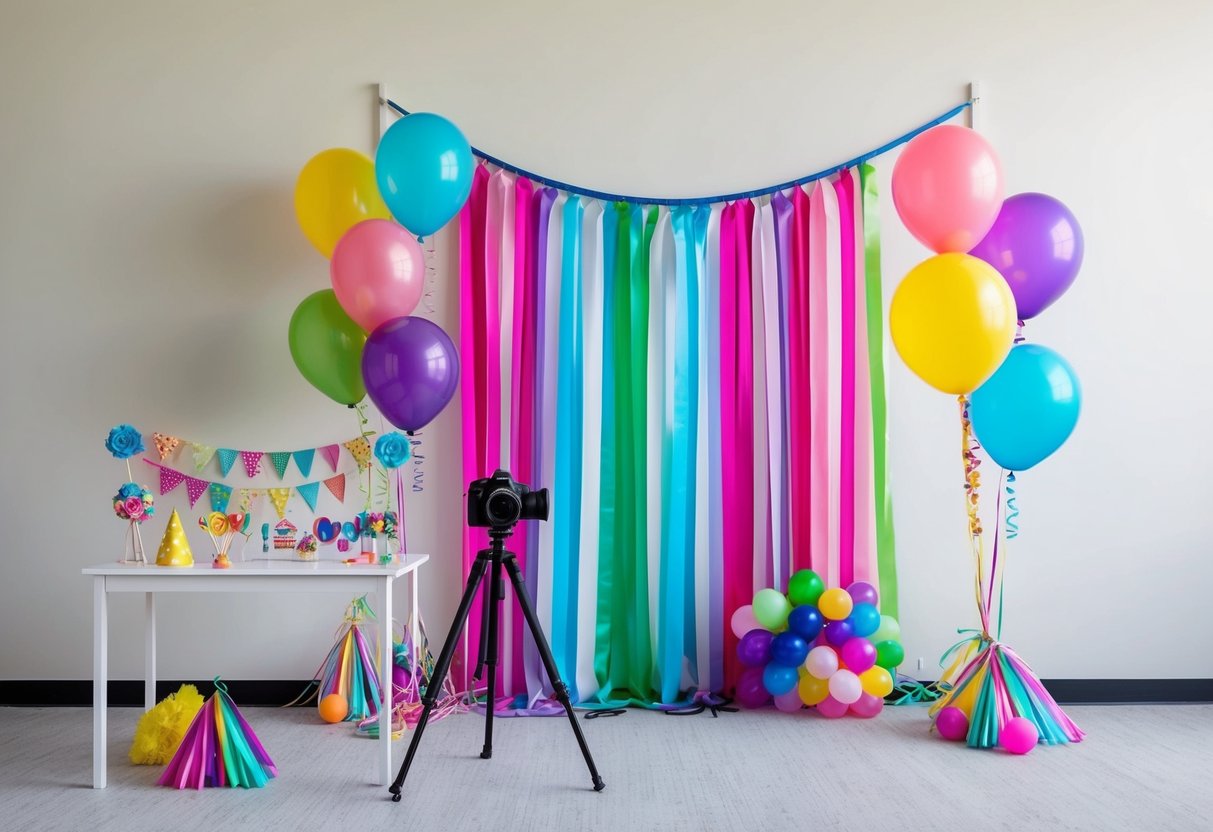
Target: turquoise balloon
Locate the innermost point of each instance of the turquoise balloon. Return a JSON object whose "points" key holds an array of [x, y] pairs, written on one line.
{"points": [[424, 169], [1028, 408]]}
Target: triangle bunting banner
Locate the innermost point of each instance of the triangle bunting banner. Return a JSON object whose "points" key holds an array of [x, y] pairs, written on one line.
{"points": [[220, 496], [202, 455], [361, 450], [252, 462], [337, 486], [309, 491], [303, 459], [331, 454], [195, 487], [227, 458], [165, 445], [280, 460], [279, 496]]}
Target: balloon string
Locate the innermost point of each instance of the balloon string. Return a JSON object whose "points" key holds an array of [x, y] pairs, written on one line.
{"points": [[1011, 520], [1019, 336], [418, 460], [969, 447], [431, 276], [364, 431]]}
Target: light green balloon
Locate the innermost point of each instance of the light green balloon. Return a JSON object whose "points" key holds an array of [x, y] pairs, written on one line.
{"points": [[889, 630], [771, 608], [327, 347]]}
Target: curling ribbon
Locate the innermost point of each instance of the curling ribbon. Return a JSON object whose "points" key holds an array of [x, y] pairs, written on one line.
{"points": [[472, 330], [585, 569], [567, 475], [886, 563]]}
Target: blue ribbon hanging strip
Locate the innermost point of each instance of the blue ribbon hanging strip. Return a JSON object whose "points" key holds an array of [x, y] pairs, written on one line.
{"points": [[606, 196]]}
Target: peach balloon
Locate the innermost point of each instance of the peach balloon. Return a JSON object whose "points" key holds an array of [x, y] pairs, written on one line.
{"points": [[378, 273], [948, 188]]}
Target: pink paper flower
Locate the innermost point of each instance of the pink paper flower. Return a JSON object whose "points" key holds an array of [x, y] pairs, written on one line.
{"points": [[134, 507]]}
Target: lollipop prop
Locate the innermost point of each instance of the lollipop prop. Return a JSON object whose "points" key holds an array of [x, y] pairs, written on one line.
{"points": [[222, 528]]}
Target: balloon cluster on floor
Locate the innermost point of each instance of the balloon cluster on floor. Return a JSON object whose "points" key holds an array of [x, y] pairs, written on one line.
{"points": [[360, 337], [957, 321], [825, 648]]}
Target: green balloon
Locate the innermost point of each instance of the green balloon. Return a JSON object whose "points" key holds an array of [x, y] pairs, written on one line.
{"points": [[327, 347], [805, 587], [771, 608], [889, 654], [889, 630]]}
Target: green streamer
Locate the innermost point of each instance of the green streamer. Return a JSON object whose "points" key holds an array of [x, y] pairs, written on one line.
{"points": [[886, 560]]}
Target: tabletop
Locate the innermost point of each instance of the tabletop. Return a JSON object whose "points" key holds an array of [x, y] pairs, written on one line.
{"points": [[275, 567]]}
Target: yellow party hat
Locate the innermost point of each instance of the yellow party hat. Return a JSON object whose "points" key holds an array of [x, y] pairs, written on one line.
{"points": [[174, 548]]}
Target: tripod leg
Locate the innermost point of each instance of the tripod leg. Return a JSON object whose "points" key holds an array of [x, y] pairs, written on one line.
{"points": [[492, 593], [434, 686], [549, 664]]}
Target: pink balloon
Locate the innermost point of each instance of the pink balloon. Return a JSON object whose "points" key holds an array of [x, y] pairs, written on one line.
{"points": [[845, 687], [867, 706], [789, 702], [1019, 735], [948, 188], [831, 708], [858, 654], [378, 272], [952, 723], [743, 621], [822, 662]]}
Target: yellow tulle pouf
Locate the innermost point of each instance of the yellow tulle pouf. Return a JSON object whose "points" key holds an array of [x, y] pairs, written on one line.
{"points": [[161, 729]]}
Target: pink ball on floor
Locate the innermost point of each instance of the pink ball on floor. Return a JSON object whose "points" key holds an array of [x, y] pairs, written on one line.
{"points": [[952, 724], [867, 706], [1018, 736]]}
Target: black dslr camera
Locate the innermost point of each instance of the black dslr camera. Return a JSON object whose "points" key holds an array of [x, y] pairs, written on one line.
{"points": [[498, 502]]}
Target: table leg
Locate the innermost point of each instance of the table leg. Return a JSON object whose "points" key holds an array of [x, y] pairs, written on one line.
{"points": [[385, 683], [149, 651], [414, 616], [100, 679]]}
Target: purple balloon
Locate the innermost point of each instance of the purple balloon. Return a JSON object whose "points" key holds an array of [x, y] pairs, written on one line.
{"points": [[411, 371], [837, 632], [751, 693], [1036, 245], [754, 649], [862, 592]]}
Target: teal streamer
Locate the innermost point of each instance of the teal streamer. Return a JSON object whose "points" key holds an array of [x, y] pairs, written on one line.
{"points": [[566, 521]]}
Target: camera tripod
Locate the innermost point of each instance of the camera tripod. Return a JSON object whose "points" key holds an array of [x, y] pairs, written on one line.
{"points": [[496, 558]]}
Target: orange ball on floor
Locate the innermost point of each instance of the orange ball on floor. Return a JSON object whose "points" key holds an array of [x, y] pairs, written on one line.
{"points": [[333, 708]]}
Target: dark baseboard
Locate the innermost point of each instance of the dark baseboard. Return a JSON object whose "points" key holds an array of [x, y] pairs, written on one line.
{"points": [[273, 693]]}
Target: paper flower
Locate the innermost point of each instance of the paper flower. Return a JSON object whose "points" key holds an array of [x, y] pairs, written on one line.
{"points": [[133, 502], [392, 449], [306, 545], [124, 441]]}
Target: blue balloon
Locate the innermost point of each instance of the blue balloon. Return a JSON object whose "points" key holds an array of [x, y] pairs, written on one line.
{"points": [[1028, 408], [424, 169], [805, 621], [778, 679], [789, 649], [865, 619]]}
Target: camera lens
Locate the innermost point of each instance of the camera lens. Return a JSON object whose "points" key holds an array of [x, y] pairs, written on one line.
{"points": [[503, 507]]}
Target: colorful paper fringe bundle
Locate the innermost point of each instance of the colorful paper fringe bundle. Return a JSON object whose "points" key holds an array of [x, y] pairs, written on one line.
{"points": [[349, 668], [161, 729], [219, 750], [993, 698], [409, 684]]}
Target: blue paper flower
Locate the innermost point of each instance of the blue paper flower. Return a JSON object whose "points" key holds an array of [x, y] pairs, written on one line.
{"points": [[392, 449], [130, 489], [124, 441]]}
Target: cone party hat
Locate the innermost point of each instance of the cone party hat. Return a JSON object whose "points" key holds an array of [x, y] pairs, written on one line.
{"points": [[174, 548]]}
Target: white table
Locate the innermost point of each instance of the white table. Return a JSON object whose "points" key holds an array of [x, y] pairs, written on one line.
{"points": [[248, 576]]}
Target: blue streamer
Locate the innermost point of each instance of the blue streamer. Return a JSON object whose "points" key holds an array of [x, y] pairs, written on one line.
{"points": [[706, 200]]}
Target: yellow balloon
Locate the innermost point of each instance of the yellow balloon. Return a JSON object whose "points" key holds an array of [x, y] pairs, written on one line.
{"points": [[813, 691], [953, 321], [335, 191], [835, 604], [876, 681]]}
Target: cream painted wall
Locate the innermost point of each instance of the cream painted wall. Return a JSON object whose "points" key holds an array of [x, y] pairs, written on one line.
{"points": [[150, 263]]}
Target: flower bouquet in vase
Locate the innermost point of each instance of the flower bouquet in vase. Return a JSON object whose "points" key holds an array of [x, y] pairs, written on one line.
{"points": [[133, 503]]}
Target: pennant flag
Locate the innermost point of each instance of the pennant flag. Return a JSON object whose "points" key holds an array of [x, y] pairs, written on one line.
{"points": [[249, 498], [195, 487], [202, 455], [227, 458], [361, 449], [281, 459], [304, 460], [252, 462], [279, 496], [165, 445], [169, 479], [337, 486], [331, 453], [309, 491], [220, 495]]}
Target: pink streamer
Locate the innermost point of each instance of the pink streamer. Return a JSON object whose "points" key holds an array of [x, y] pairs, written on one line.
{"points": [[800, 418], [819, 403], [845, 189], [866, 568], [738, 571]]}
